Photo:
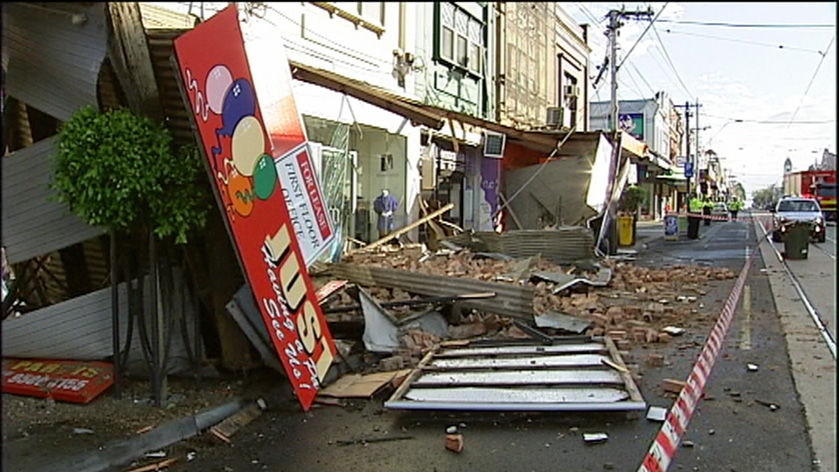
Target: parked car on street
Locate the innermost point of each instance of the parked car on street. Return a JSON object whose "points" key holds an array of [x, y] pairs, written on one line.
{"points": [[719, 210], [798, 210]]}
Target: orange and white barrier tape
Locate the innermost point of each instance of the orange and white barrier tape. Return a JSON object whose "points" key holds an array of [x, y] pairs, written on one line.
{"points": [[712, 217], [663, 448]]}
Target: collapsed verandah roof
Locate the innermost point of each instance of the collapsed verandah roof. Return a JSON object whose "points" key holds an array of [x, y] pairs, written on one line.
{"points": [[438, 118]]}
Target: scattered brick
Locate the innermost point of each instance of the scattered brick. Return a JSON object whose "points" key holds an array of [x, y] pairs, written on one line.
{"points": [[672, 386], [454, 442]]}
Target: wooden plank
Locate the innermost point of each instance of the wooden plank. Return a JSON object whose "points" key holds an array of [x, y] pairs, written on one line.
{"points": [[131, 60], [405, 229]]}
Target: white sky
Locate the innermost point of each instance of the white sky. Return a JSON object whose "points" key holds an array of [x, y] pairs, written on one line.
{"points": [[757, 75]]}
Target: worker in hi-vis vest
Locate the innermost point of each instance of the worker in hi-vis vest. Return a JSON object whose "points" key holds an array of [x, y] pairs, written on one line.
{"points": [[707, 208], [695, 205]]}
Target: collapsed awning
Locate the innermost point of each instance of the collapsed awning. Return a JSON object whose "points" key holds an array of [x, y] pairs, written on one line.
{"points": [[416, 111], [369, 93]]}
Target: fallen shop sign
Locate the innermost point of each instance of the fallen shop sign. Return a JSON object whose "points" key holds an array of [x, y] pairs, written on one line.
{"points": [[577, 373], [69, 381], [240, 156]]}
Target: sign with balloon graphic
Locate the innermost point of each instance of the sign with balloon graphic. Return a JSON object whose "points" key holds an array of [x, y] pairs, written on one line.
{"points": [[241, 160]]}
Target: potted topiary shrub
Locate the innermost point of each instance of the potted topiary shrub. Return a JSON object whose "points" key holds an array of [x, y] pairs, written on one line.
{"points": [[121, 171]]}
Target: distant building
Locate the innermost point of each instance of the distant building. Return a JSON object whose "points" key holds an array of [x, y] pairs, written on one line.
{"points": [[648, 119], [828, 161]]}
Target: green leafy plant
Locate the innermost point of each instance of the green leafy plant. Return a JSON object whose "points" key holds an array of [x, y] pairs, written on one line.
{"points": [[119, 170], [631, 199]]}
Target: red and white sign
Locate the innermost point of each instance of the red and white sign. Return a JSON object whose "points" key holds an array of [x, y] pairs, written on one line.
{"points": [[69, 381], [301, 188], [240, 156]]}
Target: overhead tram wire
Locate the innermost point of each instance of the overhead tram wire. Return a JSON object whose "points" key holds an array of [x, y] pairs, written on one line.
{"points": [[670, 62], [755, 43], [745, 25], [811, 81], [770, 122], [637, 88]]}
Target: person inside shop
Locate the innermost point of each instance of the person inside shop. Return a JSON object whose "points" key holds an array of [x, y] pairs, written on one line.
{"points": [[384, 205]]}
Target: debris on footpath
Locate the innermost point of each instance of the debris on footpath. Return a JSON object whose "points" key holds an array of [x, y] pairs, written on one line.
{"points": [[230, 425], [595, 438], [454, 442], [672, 385], [364, 441], [656, 413], [156, 466], [770, 405]]}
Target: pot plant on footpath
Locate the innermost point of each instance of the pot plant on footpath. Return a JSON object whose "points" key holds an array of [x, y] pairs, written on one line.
{"points": [[629, 205]]}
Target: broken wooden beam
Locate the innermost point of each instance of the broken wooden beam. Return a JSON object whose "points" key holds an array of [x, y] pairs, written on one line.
{"points": [[405, 229]]}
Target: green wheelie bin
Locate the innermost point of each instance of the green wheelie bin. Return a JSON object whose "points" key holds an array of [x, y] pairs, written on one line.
{"points": [[797, 241]]}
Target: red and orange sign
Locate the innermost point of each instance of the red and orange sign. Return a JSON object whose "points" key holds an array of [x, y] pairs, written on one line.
{"points": [[240, 156], [69, 381]]}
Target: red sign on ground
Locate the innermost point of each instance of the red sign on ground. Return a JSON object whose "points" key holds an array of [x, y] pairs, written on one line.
{"points": [[220, 89], [69, 381]]}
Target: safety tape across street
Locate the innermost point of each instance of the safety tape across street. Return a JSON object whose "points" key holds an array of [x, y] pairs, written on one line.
{"points": [[711, 217], [663, 448]]}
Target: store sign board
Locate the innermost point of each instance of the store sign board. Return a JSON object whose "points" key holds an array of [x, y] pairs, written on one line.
{"points": [[228, 116], [61, 380]]}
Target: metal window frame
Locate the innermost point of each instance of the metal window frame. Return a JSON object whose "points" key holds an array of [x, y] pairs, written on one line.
{"points": [[571, 373]]}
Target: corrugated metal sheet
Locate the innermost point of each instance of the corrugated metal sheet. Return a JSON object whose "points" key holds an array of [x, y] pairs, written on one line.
{"points": [[155, 17], [33, 224], [174, 109], [54, 53], [81, 329], [510, 300], [551, 194], [564, 245], [576, 374]]}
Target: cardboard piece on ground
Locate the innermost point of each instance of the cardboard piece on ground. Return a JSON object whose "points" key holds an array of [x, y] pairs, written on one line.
{"points": [[62, 380], [362, 386]]}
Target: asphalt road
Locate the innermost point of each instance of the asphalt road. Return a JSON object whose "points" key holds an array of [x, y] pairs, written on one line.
{"points": [[734, 427]]}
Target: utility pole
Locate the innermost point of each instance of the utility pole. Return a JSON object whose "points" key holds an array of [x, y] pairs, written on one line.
{"points": [[612, 32], [690, 164], [697, 106]]}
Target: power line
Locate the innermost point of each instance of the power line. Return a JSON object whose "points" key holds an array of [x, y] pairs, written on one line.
{"points": [[670, 62], [776, 46], [636, 88], [746, 25], [643, 79], [811, 81], [770, 122]]}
